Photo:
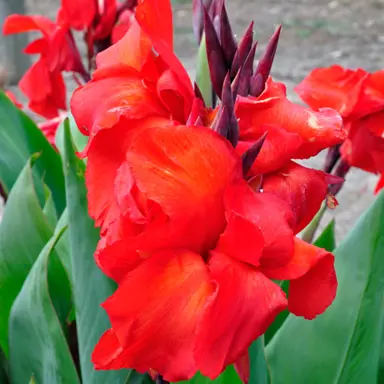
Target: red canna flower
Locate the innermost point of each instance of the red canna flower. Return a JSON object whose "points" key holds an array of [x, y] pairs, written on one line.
{"points": [[180, 227], [359, 97]]}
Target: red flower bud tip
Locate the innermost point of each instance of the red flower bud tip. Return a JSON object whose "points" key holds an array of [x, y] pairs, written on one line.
{"points": [[242, 51], [266, 61], [216, 61], [331, 201], [221, 122], [246, 72], [227, 38], [251, 154], [197, 18], [226, 95]]}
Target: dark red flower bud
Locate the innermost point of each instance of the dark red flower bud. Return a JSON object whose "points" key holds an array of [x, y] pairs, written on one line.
{"points": [[266, 61], [216, 61], [198, 17], [242, 51], [198, 93], [251, 154], [246, 72], [257, 85], [227, 38]]}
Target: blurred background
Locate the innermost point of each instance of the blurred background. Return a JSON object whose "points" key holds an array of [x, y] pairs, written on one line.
{"points": [[316, 33]]}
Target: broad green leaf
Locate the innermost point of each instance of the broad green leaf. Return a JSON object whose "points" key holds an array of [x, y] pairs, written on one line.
{"points": [[90, 286], [258, 364], [229, 376], [38, 346], [79, 140], [24, 231], [203, 78], [4, 379], [49, 208], [19, 139], [343, 344]]}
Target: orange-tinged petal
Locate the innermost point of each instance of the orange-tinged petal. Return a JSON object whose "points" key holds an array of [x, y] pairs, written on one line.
{"points": [[245, 304], [278, 148], [313, 279], [155, 18], [132, 50], [156, 327], [106, 154], [304, 189], [333, 87], [116, 92], [318, 130], [241, 240], [268, 213], [186, 171]]}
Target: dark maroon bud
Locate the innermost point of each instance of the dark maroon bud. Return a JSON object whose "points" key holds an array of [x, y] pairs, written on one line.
{"points": [[266, 60], [250, 155], [246, 72], [221, 122], [257, 85], [341, 170], [333, 156], [198, 17], [216, 61], [242, 51], [227, 38], [227, 101], [226, 95]]}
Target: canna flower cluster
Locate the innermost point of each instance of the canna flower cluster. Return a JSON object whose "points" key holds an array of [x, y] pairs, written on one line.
{"points": [[359, 98], [103, 23], [198, 208]]}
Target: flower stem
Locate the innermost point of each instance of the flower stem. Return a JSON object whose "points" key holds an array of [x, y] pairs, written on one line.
{"points": [[309, 231]]}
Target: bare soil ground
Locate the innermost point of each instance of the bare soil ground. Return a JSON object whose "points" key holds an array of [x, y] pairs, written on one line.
{"points": [[315, 33]]}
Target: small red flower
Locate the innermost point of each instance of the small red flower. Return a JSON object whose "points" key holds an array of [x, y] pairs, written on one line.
{"points": [[359, 97]]}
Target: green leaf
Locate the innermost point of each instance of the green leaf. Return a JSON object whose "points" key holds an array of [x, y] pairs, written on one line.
{"points": [[19, 139], [49, 208], [90, 286], [203, 78], [38, 346], [258, 364], [4, 369], [79, 140], [24, 231], [327, 238], [343, 344], [229, 376]]}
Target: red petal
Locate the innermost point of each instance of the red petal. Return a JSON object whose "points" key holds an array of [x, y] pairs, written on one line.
{"points": [[313, 279], [116, 92], [318, 130], [242, 366], [364, 147], [49, 128], [37, 46], [241, 240], [14, 100], [268, 213], [333, 87], [245, 304], [155, 18], [79, 14], [304, 189], [21, 23], [174, 96], [186, 171], [155, 328], [278, 148], [132, 50], [106, 154]]}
